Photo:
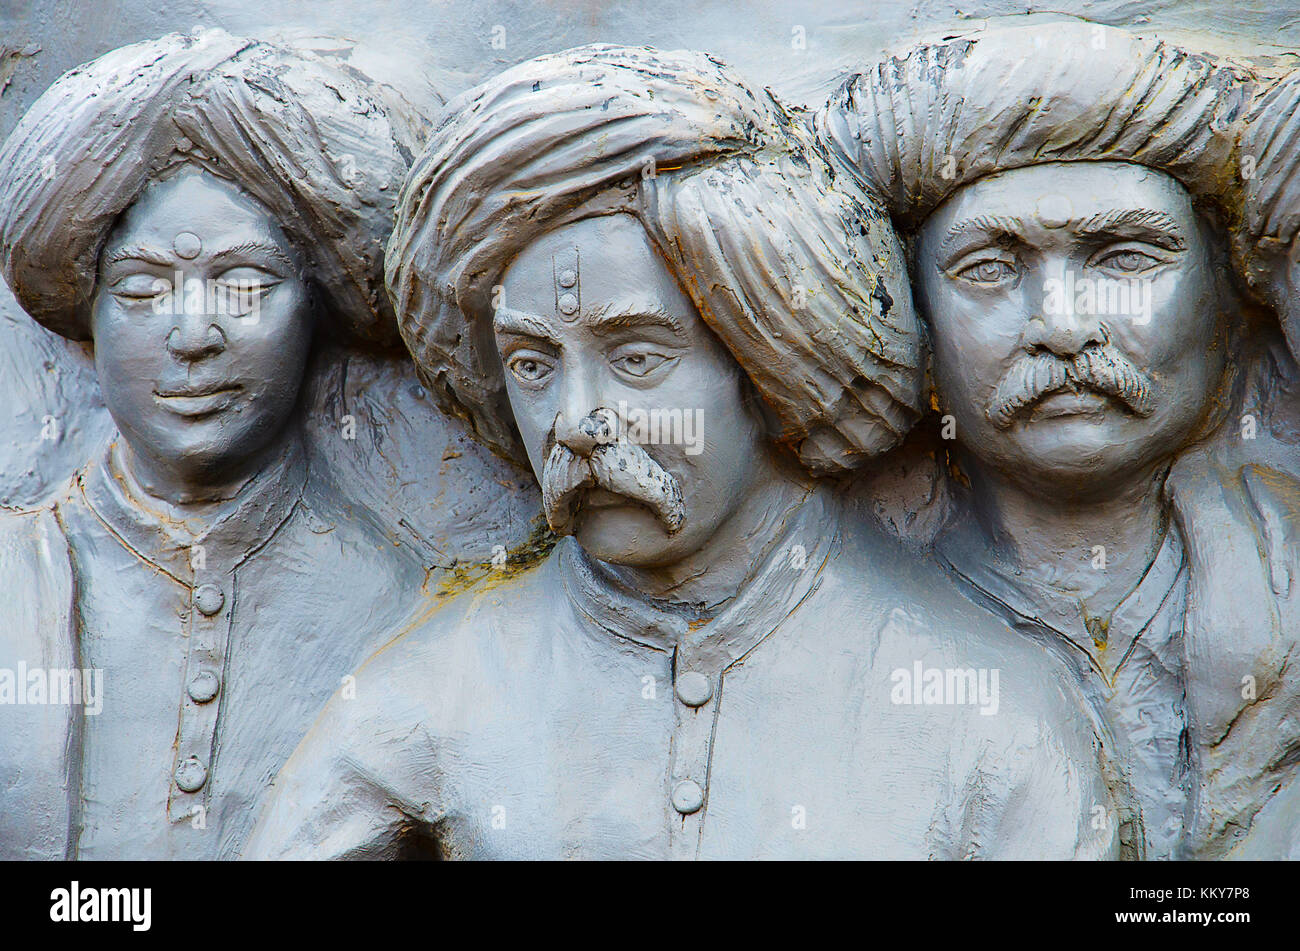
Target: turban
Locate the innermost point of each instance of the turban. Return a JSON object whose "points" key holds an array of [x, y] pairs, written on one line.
{"points": [[311, 140], [800, 277], [1270, 202], [920, 125]]}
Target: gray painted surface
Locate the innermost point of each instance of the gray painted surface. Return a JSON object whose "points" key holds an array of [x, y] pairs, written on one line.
{"points": [[575, 708]]}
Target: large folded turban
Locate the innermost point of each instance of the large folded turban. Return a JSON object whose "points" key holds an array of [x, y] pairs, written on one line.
{"points": [[1270, 206], [323, 148], [920, 125], [801, 279]]}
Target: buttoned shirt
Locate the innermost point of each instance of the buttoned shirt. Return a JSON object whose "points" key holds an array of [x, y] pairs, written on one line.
{"points": [[560, 714], [1129, 665], [219, 640]]}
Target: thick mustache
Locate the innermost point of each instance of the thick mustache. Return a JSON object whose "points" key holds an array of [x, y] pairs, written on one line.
{"points": [[617, 466], [1102, 368]]}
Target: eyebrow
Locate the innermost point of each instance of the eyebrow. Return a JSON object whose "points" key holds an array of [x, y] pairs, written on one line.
{"points": [[269, 250], [1144, 222], [983, 226], [1155, 226], [508, 321], [161, 259], [612, 318], [138, 253]]}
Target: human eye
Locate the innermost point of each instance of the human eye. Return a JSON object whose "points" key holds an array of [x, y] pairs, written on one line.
{"points": [[989, 271], [139, 287], [638, 360], [1130, 259], [250, 279], [530, 367]]}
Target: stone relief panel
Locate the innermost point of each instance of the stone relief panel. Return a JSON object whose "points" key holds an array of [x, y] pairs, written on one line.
{"points": [[636, 456]]}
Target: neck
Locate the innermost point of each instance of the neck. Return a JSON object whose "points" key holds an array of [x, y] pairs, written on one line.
{"points": [[716, 572], [1096, 549], [195, 490]]}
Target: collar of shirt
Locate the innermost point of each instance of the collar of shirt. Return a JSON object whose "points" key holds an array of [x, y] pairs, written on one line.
{"points": [[784, 573], [964, 549], [237, 529]]}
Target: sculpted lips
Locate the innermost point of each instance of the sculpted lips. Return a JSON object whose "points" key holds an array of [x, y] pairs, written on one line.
{"points": [[196, 400]]}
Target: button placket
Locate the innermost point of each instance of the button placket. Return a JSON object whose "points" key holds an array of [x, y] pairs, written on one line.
{"points": [[696, 685], [211, 603]]}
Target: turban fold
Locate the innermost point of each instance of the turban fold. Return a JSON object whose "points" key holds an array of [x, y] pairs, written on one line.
{"points": [[1270, 200], [314, 141], [922, 124], [800, 277]]}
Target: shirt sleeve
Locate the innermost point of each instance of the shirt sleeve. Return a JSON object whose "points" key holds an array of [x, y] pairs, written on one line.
{"points": [[338, 796]]}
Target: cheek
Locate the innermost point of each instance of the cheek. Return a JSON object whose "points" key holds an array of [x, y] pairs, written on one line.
{"points": [[721, 434], [534, 414], [1176, 338], [272, 353], [128, 346], [974, 343]]}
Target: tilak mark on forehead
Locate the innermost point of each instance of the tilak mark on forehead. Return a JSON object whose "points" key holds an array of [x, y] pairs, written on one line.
{"points": [[568, 289]]}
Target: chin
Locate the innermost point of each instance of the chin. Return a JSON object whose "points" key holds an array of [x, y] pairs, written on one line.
{"points": [[1080, 470], [626, 535], [202, 447]]}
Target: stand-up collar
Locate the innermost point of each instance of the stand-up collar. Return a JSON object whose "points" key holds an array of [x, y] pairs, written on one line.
{"points": [[801, 541], [232, 532], [968, 553]]}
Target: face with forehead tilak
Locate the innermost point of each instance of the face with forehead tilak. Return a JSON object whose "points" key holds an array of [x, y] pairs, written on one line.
{"points": [[1076, 311], [637, 421], [202, 326]]}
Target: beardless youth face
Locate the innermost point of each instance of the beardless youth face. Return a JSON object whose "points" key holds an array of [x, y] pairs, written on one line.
{"points": [[1077, 321], [202, 327], [593, 322]]}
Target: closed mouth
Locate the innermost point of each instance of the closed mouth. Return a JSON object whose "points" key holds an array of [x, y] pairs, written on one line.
{"points": [[1072, 402], [198, 400], [598, 498]]}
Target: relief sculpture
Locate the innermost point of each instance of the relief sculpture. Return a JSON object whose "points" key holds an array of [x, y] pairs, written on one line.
{"points": [[623, 459]]}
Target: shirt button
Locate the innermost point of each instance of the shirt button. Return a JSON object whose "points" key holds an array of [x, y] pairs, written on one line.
{"points": [[568, 304], [209, 599], [694, 689], [568, 277], [191, 774], [204, 686], [688, 797]]}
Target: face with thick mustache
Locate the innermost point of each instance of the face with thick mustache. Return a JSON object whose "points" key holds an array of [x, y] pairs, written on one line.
{"points": [[1077, 320], [202, 327], [596, 337]]}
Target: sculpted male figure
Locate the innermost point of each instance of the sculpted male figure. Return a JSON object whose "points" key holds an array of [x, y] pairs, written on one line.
{"points": [[1268, 257], [200, 207], [1079, 316], [716, 660]]}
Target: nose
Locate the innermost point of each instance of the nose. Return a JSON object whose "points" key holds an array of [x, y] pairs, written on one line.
{"points": [[1055, 323], [579, 397], [195, 336]]}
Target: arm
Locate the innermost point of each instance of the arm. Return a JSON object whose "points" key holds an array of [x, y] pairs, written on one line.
{"points": [[338, 795]]}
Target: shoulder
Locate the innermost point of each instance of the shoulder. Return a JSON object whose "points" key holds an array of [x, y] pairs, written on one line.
{"points": [[923, 611], [35, 561], [474, 640], [1030, 700]]}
